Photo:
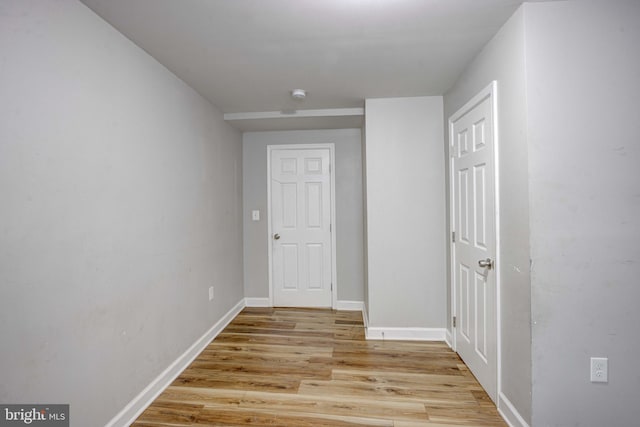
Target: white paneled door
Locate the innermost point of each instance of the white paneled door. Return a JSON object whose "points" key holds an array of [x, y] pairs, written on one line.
{"points": [[300, 216], [474, 246]]}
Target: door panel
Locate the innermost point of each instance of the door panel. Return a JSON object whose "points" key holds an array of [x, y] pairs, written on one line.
{"points": [[480, 213], [289, 205], [465, 310], [474, 223], [300, 216], [315, 264], [290, 266], [314, 211], [463, 203]]}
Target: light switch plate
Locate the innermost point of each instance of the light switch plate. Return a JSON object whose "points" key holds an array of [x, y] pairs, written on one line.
{"points": [[255, 215]]}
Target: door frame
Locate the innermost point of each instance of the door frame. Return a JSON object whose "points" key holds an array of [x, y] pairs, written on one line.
{"points": [[332, 187], [490, 91]]}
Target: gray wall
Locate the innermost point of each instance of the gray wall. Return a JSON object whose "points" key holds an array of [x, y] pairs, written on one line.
{"points": [[583, 87], [405, 212], [503, 60], [121, 199], [349, 206]]}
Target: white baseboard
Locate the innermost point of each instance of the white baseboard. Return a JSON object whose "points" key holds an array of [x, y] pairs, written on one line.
{"points": [[257, 302], [509, 412], [350, 305], [448, 338], [341, 305], [139, 403], [405, 334], [408, 334]]}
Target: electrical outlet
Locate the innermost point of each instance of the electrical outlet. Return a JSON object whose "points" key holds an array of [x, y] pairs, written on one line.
{"points": [[599, 369], [210, 293]]}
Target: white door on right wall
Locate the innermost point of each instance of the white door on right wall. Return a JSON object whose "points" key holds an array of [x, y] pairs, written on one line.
{"points": [[474, 247]]}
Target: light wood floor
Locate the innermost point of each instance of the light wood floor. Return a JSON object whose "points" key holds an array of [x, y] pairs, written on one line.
{"points": [[306, 367]]}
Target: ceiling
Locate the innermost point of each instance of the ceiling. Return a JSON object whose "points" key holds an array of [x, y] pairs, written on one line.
{"points": [[247, 55]]}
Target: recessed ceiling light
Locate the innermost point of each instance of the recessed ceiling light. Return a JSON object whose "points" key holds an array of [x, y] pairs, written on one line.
{"points": [[299, 94]]}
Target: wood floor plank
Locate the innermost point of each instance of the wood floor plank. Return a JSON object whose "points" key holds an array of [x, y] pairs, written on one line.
{"points": [[299, 370], [314, 367], [254, 338], [295, 403], [414, 381], [384, 364], [429, 424], [172, 413], [272, 349], [256, 417], [336, 405], [202, 396], [382, 391], [276, 331]]}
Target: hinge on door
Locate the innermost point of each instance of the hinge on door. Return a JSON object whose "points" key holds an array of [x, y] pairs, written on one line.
{"points": [[453, 236], [454, 321]]}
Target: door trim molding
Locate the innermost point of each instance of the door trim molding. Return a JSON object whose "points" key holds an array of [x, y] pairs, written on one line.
{"points": [[491, 90], [448, 338], [334, 228]]}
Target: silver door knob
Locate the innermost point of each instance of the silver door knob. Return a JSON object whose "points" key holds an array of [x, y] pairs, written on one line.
{"points": [[276, 236], [486, 263]]}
